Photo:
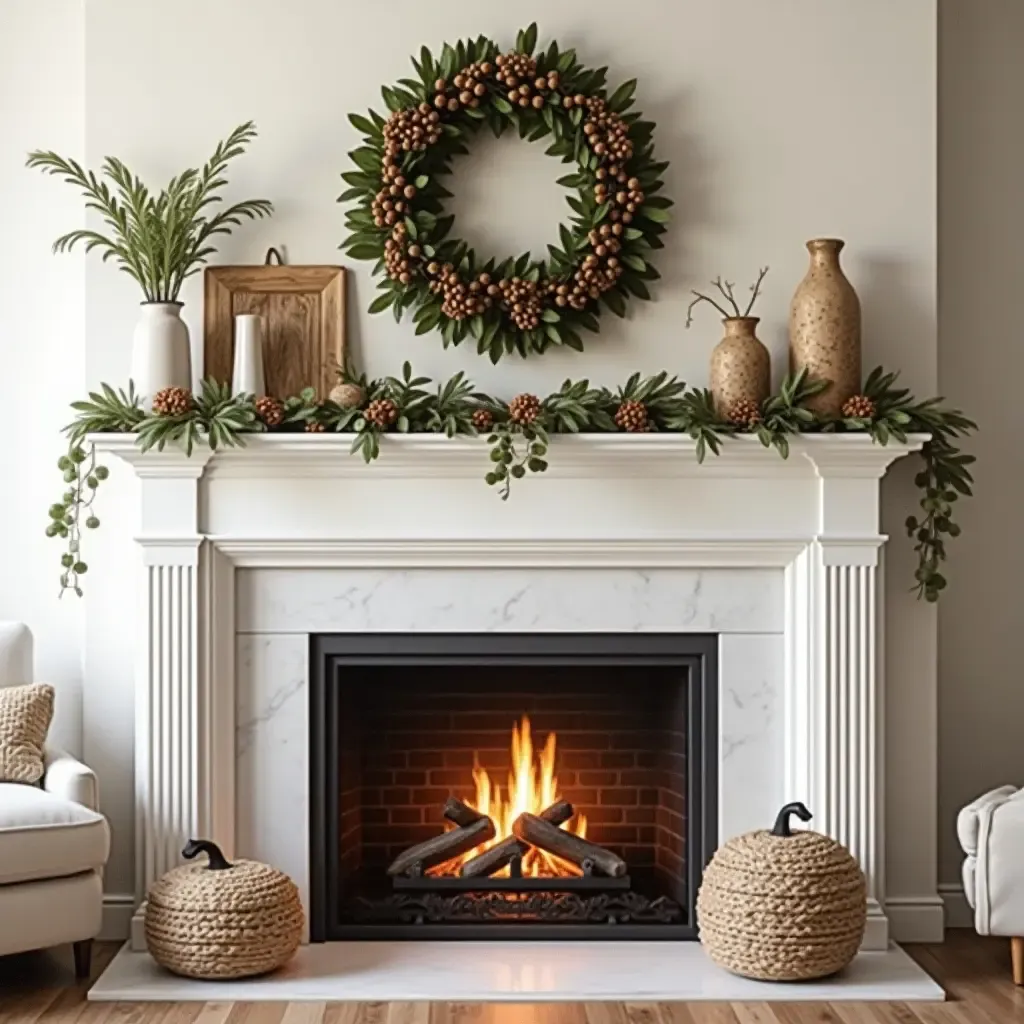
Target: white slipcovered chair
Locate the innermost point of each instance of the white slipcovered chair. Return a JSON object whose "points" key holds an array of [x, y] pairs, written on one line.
{"points": [[991, 832], [53, 841]]}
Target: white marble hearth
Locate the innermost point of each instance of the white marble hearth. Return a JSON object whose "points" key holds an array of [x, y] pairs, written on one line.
{"points": [[247, 553]]}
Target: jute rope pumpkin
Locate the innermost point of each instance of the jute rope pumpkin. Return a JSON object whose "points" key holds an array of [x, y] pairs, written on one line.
{"points": [[222, 920], [782, 905]]}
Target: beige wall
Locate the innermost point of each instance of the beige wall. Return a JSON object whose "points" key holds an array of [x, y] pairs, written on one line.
{"points": [[981, 367]]}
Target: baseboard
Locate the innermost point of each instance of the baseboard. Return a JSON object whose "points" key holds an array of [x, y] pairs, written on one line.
{"points": [[916, 918], [117, 916], [958, 911]]}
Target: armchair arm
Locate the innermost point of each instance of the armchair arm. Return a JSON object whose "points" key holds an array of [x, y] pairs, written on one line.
{"points": [[68, 778]]}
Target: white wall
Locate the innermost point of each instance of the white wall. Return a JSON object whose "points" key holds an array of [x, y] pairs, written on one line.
{"points": [[981, 364], [42, 329], [782, 121]]}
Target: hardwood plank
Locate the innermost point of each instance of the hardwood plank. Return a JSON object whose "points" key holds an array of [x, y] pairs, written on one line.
{"points": [[408, 1013], [606, 1013], [256, 1013], [645, 1013], [304, 1013], [343, 1013], [214, 1013], [754, 1013], [699, 1013]]}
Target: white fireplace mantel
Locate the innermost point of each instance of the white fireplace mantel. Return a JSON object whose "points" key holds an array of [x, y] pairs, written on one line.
{"points": [[608, 501]]}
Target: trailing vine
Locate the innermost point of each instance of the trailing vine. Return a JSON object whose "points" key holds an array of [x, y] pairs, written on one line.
{"points": [[518, 434], [517, 304]]}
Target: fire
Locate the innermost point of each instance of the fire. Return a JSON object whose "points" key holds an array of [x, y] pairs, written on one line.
{"points": [[532, 786]]}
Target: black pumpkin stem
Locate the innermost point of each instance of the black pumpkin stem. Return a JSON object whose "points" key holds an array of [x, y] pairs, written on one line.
{"points": [[782, 821], [194, 847]]}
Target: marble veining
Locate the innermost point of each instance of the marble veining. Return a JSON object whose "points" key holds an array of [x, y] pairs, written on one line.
{"points": [[487, 600]]}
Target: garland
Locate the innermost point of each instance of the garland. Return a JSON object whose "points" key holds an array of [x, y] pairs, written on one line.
{"points": [[517, 304], [517, 434]]}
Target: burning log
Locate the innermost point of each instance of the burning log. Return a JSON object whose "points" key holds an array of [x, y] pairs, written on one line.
{"points": [[460, 813], [502, 854], [437, 850], [532, 829]]}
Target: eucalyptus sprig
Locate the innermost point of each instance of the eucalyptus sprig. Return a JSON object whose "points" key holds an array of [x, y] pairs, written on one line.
{"points": [[450, 410], [697, 417], [576, 406], [663, 397], [944, 478], [516, 450], [158, 239], [215, 416]]}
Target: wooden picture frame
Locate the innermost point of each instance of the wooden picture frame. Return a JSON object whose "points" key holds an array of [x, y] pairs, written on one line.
{"points": [[303, 310]]}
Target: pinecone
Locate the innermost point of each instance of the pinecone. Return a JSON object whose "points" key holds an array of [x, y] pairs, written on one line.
{"points": [[632, 416], [382, 412], [172, 401], [312, 427], [524, 409], [744, 412], [859, 407], [270, 410], [347, 395], [483, 420]]}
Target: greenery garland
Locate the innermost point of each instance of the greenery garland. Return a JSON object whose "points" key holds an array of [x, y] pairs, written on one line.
{"points": [[517, 304], [518, 433]]}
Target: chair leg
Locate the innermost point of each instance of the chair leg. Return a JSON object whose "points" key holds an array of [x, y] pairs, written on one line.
{"points": [[83, 958], [1017, 954]]}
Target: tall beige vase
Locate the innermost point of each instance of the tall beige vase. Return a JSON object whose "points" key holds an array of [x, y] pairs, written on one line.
{"points": [[740, 365], [824, 328]]}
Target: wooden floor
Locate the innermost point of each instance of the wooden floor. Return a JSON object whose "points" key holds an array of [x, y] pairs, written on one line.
{"points": [[39, 989]]}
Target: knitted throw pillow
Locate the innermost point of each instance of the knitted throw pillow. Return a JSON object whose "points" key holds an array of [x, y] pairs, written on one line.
{"points": [[25, 714]]}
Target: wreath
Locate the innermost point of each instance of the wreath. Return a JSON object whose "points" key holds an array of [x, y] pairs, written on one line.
{"points": [[517, 304]]}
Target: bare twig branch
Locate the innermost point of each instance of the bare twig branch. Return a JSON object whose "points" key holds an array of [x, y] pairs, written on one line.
{"points": [[726, 288], [701, 297], [755, 290]]}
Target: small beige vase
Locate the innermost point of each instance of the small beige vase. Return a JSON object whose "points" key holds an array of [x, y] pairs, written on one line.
{"points": [[740, 365], [824, 328]]}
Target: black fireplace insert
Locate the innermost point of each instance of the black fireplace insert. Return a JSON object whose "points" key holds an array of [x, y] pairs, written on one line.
{"points": [[553, 785]]}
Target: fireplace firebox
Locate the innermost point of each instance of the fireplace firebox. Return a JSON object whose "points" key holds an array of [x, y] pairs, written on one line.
{"points": [[510, 785]]}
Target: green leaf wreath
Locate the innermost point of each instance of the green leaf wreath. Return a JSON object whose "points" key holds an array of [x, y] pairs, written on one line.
{"points": [[518, 434], [516, 304]]}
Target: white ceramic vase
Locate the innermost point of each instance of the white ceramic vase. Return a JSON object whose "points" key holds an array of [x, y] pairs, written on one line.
{"points": [[247, 373], [161, 357]]}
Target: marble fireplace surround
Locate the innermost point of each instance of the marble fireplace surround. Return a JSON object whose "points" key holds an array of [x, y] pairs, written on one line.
{"points": [[245, 553]]}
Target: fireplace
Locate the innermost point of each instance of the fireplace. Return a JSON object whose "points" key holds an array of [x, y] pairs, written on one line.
{"points": [[514, 785]]}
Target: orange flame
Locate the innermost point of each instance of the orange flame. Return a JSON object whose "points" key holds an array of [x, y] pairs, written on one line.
{"points": [[533, 787]]}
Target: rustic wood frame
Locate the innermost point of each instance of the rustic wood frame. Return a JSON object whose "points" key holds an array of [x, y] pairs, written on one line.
{"points": [[292, 359]]}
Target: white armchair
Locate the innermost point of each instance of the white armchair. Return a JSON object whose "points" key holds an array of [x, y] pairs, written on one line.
{"points": [[53, 841], [991, 832]]}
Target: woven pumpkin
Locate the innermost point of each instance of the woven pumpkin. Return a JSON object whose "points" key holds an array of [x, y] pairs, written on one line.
{"points": [[222, 920], [782, 905]]}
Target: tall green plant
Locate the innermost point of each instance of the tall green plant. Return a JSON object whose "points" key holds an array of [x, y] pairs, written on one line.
{"points": [[161, 239]]}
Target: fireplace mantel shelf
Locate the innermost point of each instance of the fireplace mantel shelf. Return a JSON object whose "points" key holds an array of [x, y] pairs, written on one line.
{"points": [[580, 455]]}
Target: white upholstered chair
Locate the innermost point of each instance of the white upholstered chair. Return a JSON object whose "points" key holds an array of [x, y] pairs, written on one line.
{"points": [[53, 841], [991, 832]]}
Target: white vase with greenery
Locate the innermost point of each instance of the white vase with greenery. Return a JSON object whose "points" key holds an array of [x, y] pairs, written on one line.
{"points": [[160, 240]]}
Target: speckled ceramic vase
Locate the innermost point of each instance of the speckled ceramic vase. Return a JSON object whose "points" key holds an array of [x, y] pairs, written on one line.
{"points": [[740, 365], [824, 327]]}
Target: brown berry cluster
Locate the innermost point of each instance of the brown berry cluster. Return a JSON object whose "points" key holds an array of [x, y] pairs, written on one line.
{"points": [[524, 409], [483, 420], [410, 130], [391, 203], [460, 299], [381, 412], [313, 427], [466, 89], [517, 72], [606, 132], [524, 302], [616, 186], [172, 401], [270, 410], [632, 416], [859, 407], [400, 258], [591, 280], [744, 413]]}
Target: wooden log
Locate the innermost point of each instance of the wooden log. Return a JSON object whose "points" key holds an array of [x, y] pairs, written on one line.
{"points": [[501, 854], [542, 834], [432, 852], [461, 813]]}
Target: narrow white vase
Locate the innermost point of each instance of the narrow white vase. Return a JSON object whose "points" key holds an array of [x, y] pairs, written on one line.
{"points": [[161, 357], [247, 374]]}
